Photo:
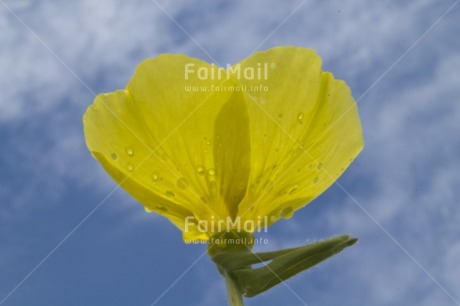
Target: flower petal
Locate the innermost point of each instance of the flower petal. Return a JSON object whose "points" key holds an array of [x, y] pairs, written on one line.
{"points": [[159, 134], [305, 131], [232, 151]]}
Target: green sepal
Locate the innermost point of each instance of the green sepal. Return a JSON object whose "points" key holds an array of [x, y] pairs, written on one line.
{"points": [[287, 263], [236, 260], [227, 250]]}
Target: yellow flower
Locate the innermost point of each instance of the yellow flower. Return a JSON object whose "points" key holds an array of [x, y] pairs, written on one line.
{"points": [[201, 145]]}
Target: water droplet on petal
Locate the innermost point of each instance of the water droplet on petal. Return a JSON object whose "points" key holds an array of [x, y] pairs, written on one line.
{"points": [[300, 116], [182, 183], [211, 172], [310, 166], [130, 167], [200, 170], [170, 194], [315, 180], [113, 156], [320, 166], [287, 212], [292, 190], [280, 115], [161, 207], [156, 178], [148, 209], [130, 151]]}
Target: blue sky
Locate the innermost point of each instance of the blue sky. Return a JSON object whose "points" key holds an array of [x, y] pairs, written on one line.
{"points": [[68, 236]]}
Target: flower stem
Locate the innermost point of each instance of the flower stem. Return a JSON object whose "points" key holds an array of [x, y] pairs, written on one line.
{"points": [[233, 292]]}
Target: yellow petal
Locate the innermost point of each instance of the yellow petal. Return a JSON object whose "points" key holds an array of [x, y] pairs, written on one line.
{"points": [[159, 136], [232, 151], [145, 196], [305, 131]]}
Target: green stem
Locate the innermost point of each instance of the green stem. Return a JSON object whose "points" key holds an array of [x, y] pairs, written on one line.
{"points": [[233, 292]]}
